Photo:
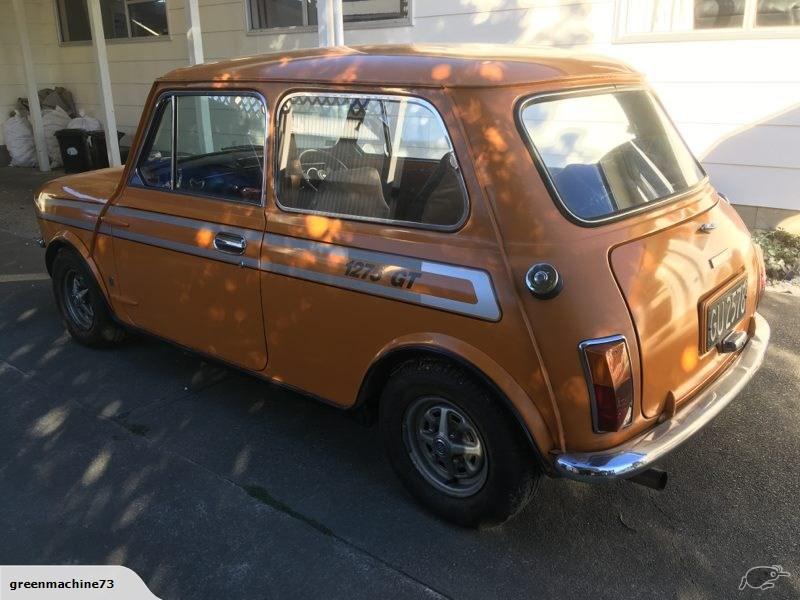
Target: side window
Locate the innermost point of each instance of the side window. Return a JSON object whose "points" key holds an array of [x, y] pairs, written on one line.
{"points": [[385, 158], [155, 165], [219, 147]]}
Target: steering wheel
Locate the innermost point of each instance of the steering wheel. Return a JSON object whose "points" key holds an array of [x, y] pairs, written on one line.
{"points": [[317, 170]]}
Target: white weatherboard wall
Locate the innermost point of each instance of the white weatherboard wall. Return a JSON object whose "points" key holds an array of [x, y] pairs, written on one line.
{"points": [[133, 64], [12, 74], [737, 102]]}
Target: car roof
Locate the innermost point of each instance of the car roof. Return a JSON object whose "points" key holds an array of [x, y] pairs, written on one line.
{"points": [[456, 65]]}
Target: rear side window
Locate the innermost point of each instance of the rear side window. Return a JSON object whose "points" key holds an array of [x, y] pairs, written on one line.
{"points": [[218, 147], [368, 157], [608, 152]]}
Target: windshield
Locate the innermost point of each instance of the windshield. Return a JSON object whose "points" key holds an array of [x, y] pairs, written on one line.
{"points": [[609, 152]]}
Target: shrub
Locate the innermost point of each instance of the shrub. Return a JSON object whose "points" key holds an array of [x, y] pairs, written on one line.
{"points": [[781, 253]]}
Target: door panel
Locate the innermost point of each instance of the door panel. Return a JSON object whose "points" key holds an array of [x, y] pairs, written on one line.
{"points": [[188, 227], [178, 279]]}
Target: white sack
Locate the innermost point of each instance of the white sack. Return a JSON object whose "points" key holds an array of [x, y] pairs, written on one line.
{"points": [[84, 122], [18, 135], [54, 120]]}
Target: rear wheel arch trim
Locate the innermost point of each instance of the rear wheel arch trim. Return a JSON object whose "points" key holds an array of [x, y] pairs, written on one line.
{"points": [[382, 366]]}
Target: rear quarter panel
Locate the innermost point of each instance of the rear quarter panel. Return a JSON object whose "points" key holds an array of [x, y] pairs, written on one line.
{"points": [[534, 230]]}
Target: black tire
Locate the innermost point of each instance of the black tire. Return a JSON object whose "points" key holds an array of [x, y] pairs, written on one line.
{"points": [[94, 326], [511, 476]]}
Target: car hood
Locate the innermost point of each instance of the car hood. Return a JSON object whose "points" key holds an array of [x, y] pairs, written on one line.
{"points": [[92, 186]]}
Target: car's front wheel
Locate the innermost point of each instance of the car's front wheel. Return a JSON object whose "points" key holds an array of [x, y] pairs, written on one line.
{"points": [[455, 448], [81, 303]]}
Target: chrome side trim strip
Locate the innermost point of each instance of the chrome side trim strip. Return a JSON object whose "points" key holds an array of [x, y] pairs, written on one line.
{"points": [[243, 261], [253, 235], [486, 306], [639, 454], [86, 206], [88, 210], [77, 223]]}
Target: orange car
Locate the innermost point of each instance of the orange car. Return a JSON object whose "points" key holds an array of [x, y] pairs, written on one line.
{"points": [[508, 257]]}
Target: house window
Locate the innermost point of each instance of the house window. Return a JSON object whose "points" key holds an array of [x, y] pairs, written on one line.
{"points": [[122, 19], [735, 18], [778, 13], [358, 11], [273, 14]]}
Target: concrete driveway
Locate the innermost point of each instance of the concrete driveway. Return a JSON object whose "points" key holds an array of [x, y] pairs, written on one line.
{"points": [[211, 485]]}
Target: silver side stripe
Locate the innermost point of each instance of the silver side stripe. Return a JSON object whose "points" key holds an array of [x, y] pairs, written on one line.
{"points": [[77, 223], [89, 212], [243, 261], [486, 306], [85, 206], [251, 235], [326, 257]]}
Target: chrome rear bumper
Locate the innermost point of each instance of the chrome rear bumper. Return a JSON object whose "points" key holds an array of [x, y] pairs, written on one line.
{"points": [[639, 453]]}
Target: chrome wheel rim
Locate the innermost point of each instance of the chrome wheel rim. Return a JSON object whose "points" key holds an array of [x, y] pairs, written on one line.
{"points": [[445, 446], [76, 300]]}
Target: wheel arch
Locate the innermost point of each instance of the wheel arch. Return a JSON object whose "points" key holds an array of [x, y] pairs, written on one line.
{"points": [[68, 240], [504, 388]]}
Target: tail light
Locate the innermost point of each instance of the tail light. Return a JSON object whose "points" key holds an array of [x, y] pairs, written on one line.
{"points": [[762, 273], [607, 366]]}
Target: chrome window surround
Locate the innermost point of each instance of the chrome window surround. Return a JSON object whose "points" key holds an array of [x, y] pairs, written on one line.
{"points": [[392, 97], [587, 375], [545, 173], [171, 95]]}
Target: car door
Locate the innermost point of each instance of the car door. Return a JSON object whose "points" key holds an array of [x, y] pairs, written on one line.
{"points": [[188, 227]]}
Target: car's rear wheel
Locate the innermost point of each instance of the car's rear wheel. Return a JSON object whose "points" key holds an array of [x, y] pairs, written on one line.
{"points": [[454, 447], [81, 303]]}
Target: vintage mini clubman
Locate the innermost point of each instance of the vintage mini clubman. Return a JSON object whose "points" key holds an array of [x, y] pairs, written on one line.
{"points": [[508, 257]]}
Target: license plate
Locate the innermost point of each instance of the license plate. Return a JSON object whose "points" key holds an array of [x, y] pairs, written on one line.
{"points": [[724, 313]]}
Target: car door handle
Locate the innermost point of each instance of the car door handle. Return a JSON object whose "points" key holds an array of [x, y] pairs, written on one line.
{"points": [[230, 243]]}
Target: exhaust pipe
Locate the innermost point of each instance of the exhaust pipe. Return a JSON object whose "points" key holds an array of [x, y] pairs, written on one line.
{"points": [[655, 479]]}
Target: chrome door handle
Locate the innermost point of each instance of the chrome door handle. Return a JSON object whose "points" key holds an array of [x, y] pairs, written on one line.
{"points": [[230, 243]]}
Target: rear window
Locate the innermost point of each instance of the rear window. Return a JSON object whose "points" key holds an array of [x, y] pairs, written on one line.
{"points": [[608, 152]]}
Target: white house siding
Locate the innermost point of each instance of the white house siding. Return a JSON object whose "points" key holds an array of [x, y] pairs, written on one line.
{"points": [[12, 75], [737, 102]]}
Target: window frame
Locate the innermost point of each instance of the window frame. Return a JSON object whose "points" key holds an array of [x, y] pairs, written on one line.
{"points": [[167, 37], [467, 203], [171, 95], [547, 179], [407, 21], [748, 30]]}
